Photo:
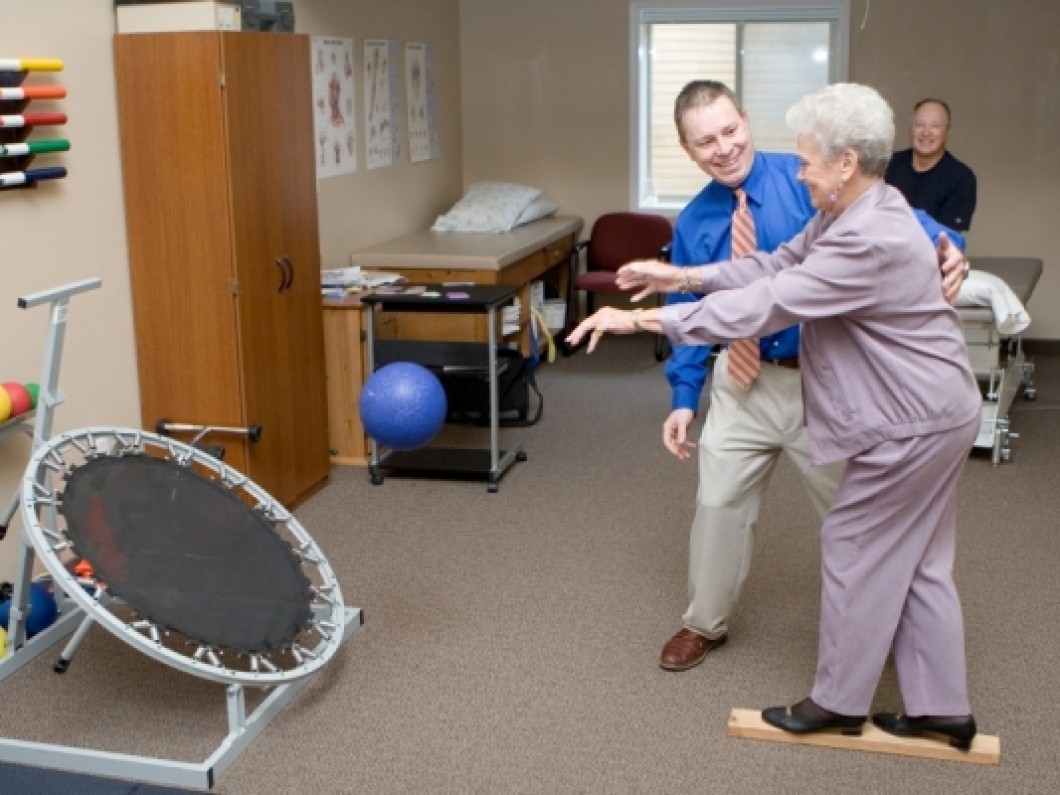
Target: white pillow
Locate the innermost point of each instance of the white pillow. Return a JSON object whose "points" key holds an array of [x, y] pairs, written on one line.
{"points": [[541, 207], [985, 289], [488, 207]]}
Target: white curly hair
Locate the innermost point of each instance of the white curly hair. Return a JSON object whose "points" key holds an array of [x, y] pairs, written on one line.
{"points": [[845, 116]]}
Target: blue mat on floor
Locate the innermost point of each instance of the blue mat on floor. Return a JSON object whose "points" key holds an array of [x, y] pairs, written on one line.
{"points": [[27, 780]]}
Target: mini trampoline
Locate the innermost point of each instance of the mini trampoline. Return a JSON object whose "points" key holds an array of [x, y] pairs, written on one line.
{"points": [[192, 563], [189, 562]]}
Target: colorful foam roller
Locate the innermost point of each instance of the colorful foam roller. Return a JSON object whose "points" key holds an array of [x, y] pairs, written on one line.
{"points": [[15, 178], [31, 65], [34, 147], [33, 92], [32, 119]]}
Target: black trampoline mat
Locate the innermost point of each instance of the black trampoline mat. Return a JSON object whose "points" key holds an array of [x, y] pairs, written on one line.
{"points": [[186, 553]]}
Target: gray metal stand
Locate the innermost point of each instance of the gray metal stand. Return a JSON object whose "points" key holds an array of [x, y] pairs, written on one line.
{"points": [[21, 650], [448, 461]]}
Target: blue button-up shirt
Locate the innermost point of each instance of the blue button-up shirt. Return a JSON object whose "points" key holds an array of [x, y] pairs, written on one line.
{"points": [[780, 206]]}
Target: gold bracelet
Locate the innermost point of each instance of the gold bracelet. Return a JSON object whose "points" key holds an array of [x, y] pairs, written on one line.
{"points": [[688, 281], [635, 317]]}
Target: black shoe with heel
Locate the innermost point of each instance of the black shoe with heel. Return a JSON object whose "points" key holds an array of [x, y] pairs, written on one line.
{"points": [[806, 717], [959, 732]]}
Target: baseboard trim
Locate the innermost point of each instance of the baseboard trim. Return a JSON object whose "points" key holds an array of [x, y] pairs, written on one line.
{"points": [[1043, 347]]}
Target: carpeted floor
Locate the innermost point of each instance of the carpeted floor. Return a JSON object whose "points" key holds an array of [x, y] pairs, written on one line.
{"points": [[511, 640]]}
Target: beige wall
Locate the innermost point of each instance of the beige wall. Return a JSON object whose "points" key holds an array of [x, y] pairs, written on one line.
{"points": [[546, 96], [367, 207], [66, 231], [998, 67], [546, 101], [73, 229]]}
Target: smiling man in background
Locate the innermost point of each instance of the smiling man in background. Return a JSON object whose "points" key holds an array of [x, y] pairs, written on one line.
{"points": [[930, 178]]}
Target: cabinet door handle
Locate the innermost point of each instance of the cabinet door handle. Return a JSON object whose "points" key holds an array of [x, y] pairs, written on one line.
{"points": [[283, 275], [286, 272], [290, 272]]}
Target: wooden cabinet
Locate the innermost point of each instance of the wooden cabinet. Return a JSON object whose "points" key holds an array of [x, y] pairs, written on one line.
{"points": [[220, 197]]}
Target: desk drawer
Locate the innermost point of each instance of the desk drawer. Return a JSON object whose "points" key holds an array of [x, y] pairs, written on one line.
{"points": [[558, 251]]}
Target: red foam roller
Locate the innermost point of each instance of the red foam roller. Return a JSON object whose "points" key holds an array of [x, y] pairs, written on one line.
{"points": [[32, 119]]}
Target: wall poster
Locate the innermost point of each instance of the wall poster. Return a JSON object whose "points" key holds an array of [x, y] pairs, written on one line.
{"points": [[381, 117], [334, 117], [422, 102]]}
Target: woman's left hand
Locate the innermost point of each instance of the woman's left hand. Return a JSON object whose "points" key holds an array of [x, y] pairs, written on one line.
{"points": [[608, 319]]}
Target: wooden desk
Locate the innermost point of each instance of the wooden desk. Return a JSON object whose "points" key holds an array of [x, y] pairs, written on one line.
{"points": [[533, 251], [344, 363]]}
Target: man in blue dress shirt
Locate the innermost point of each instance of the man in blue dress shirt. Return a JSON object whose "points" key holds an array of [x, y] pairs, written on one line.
{"points": [[745, 429]]}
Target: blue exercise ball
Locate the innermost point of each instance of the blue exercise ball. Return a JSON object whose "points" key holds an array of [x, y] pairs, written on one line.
{"points": [[41, 609], [403, 406]]}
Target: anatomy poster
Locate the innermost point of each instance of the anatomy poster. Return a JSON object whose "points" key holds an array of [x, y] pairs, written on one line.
{"points": [[334, 120], [381, 118], [420, 94]]}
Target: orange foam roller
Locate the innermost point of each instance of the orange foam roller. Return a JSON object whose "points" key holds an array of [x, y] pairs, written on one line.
{"points": [[33, 92]]}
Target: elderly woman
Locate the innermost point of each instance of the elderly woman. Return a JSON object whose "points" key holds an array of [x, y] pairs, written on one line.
{"points": [[887, 388]]}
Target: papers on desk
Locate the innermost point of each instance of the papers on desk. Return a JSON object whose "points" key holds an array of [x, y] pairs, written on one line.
{"points": [[355, 276], [510, 317]]}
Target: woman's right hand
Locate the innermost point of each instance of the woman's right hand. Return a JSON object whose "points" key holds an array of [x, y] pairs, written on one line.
{"points": [[650, 276]]}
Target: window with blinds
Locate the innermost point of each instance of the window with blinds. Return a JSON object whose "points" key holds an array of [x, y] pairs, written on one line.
{"points": [[770, 52]]}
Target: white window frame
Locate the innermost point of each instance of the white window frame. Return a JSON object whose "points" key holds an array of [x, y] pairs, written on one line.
{"points": [[654, 11]]}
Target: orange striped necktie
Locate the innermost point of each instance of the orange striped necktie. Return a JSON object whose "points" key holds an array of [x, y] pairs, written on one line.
{"points": [[745, 358]]}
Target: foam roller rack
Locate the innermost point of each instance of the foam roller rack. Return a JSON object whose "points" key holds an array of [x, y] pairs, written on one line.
{"points": [[18, 122]]}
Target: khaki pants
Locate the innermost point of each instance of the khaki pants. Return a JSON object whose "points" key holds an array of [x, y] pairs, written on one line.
{"points": [[743, 436]]}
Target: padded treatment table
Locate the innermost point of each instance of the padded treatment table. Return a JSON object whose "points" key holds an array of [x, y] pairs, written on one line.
{"points": [[997, 358], [514, 258]]}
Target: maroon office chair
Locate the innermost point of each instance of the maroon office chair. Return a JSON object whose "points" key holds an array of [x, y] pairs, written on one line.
{"points": [[615, 239]]}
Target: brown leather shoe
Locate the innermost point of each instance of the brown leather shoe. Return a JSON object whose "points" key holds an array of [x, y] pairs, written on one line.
{"points": [[687, 649]]}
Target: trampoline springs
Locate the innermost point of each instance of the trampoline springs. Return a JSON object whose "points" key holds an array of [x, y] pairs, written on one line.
{"points": [[45, 496], [300, 653], [324, 593], [257, 662], [91, 450], [150, 626], [207, 654], [326, 629], [271, 510], [60, 542], [232, 478], [53, 461], [307, 557], [125, 443]]}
